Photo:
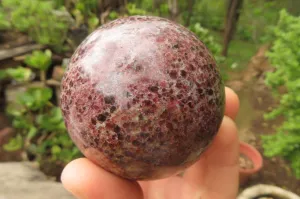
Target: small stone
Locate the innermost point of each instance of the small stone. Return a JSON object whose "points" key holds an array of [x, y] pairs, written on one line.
{"points": [[23, 180]]}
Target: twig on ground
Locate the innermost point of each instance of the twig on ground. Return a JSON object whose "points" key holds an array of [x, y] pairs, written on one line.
{"points": [[9, 53]]}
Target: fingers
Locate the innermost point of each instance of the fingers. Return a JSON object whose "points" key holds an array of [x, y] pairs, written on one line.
{"points": [[224, 148], [232, 103], [217, 170], [85, 180], [169, 188], [154, 189], [178, 188]]}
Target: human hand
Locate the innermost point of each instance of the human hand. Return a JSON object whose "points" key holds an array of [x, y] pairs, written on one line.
{"points": [[214, 176]]}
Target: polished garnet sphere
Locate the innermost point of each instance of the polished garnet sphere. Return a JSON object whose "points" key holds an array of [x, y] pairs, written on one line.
{"points": [[142, 97]]}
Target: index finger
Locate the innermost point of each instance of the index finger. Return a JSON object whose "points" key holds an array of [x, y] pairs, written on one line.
{"points": [[231, 103]]}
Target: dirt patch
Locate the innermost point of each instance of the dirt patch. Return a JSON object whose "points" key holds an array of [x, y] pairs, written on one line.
{"points": [[256, 99], [245, 162]]}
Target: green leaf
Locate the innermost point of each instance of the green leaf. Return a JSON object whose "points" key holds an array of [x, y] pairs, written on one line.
{"points": [[295, 161], [14, 144], [86, 7], [32, 132], [133, 10], [65, 140], [22, 122], [35, 98], [10, 3], [19, 74], [93, 22], [3, 74], [4, 22], [51, 121], [15, 109], [205, 36], [80, 6], [39, 60], [55, 149], [113, 15], [164, 9]]}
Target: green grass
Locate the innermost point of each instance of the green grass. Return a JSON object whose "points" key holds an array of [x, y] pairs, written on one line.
{"points": [[239, 53]]}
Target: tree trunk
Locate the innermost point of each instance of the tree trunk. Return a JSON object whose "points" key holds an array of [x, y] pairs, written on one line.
{"points": [[173, 9], [232, 17], [191, 4]]}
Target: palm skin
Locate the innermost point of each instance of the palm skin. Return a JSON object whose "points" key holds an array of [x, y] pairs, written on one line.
{"points": [[214, 176]]}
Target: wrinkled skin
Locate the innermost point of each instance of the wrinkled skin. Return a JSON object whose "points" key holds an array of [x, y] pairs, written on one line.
{"points": [[142, 97]]}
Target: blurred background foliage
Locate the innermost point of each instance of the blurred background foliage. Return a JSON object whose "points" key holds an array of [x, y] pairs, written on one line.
{"points": [[61, 25]]}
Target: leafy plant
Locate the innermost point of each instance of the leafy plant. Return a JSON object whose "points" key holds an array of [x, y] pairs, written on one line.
{"points": [[133, 10], [35, 98], [145, 4], [86, 7], [154, 7], [4, 23], [3, 74], [60, 144], [39, 59], [86, 14], [40, 20], [209, 14], [39, 124], [14, 144], [19, 74], [93, 22], [205, 36], [51, 120], [59, 3], [164, 9], [285, 57], [256, 18], [40, 127], [113, 15]]}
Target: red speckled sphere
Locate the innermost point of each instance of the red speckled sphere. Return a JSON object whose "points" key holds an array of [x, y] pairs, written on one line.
{"points": [[142, 97]]}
